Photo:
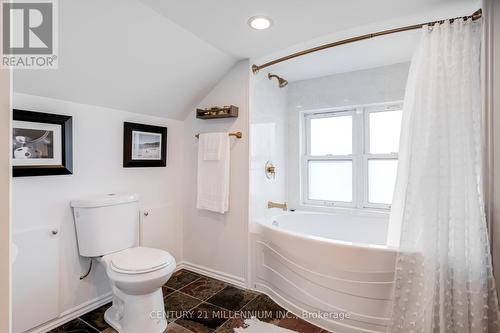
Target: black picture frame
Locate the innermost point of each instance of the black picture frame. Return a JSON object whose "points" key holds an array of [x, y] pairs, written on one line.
{"points": [[128, 161], [66, 166]]}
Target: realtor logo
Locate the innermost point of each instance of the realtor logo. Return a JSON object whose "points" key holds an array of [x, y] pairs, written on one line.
{"points": [[29, 34]]}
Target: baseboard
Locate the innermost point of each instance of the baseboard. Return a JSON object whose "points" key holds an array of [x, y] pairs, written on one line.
{"points": [[73, 313], [80, 310], [229, 278]]}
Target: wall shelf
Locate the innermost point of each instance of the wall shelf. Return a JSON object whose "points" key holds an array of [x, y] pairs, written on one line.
{"points": [[217, 112]]}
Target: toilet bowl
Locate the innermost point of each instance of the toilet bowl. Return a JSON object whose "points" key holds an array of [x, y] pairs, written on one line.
{"points": [[107, 229], [136, 276]]}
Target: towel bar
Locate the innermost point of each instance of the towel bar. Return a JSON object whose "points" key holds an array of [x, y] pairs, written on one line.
{"points": [[238, 135]]}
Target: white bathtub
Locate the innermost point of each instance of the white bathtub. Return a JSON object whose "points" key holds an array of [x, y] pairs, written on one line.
{"points": [[335, 268]]}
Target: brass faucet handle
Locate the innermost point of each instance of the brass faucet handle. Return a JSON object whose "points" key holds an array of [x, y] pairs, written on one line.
{"points": [[270, 170]]}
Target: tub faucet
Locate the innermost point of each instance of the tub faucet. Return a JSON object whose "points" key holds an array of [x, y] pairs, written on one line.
{"points": [[271, 204]]}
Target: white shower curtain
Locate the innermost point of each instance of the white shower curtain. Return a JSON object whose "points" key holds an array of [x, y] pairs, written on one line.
{"points": [[444, 280]]}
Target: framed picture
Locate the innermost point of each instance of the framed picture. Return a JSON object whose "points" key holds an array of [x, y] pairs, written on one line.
{"points": [[41, 144], [144, 145]]}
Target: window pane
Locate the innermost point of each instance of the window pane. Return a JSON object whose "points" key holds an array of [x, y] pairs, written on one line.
{"points": [[330, 180], [384, 131], [381, 180], [331, 136]]}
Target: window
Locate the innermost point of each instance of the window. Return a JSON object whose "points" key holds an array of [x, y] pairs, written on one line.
{"points": [[351, 155]]}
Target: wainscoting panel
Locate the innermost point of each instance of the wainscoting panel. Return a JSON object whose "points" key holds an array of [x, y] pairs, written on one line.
{"points": [[35, 277]]}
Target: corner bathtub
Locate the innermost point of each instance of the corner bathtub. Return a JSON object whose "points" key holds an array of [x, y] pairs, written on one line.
{"points": [[333, 268]]}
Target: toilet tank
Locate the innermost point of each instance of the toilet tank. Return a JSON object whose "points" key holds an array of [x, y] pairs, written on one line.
{"points": [[106, 224]]}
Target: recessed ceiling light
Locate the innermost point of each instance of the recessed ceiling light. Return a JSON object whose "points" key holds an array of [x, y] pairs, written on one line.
{"points": [[259, 22]]}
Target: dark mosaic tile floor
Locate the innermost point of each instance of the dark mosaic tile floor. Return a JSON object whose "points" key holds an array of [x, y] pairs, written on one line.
{"points": [[198, 304]]}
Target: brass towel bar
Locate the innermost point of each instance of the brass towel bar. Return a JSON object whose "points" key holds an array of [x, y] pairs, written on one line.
{"points": [[238, 135]]}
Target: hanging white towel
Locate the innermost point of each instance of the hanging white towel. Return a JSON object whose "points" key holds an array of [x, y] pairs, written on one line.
{"points": [[213, 172], [211, 144]]}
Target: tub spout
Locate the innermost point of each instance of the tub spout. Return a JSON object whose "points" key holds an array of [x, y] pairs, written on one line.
{"points": [[283, 206]]}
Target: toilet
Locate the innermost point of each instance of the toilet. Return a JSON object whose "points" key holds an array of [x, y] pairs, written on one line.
{"points": [[107, 229]]}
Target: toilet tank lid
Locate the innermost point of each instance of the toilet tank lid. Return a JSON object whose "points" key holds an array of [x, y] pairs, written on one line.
{"points": [[105, 200]]}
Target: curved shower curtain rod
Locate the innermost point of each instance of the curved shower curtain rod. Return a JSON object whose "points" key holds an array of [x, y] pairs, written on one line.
{"points": [[255, 68]]}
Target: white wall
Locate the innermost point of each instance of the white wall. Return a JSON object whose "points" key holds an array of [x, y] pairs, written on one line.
{"points": [[492, 8], [5, 116], [218, 242], [268, 129], [375, 85], [97, 159]]}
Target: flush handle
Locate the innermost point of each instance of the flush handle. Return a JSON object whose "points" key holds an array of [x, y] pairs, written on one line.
{"points": [[55, 232]]}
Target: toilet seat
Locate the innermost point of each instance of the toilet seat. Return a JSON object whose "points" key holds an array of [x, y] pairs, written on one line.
{"points": [[137, 276], [139, 260]]}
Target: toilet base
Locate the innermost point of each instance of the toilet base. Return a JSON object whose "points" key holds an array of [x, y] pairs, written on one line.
{"points": [[137, 313]]}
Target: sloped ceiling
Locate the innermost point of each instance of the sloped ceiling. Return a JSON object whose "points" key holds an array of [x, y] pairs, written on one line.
{"points": [[161, 57], [223, 23], [123, 55]]}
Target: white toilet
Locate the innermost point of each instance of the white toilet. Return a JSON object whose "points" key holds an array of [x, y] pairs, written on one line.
{"points": [[107, 228]]}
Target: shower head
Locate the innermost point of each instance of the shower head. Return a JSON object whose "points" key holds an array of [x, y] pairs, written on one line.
{"points": [[281, 81]]}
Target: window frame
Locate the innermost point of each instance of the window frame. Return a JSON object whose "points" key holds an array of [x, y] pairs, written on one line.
{"points": [[359, 156]]}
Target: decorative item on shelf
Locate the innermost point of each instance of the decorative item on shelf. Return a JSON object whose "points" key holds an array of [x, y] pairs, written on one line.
{"points": [[42, 144], [217, 112], [144, 145], [270, 170]]}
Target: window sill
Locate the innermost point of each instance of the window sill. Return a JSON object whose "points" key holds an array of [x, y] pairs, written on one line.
{"points": [[353, 211]]}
